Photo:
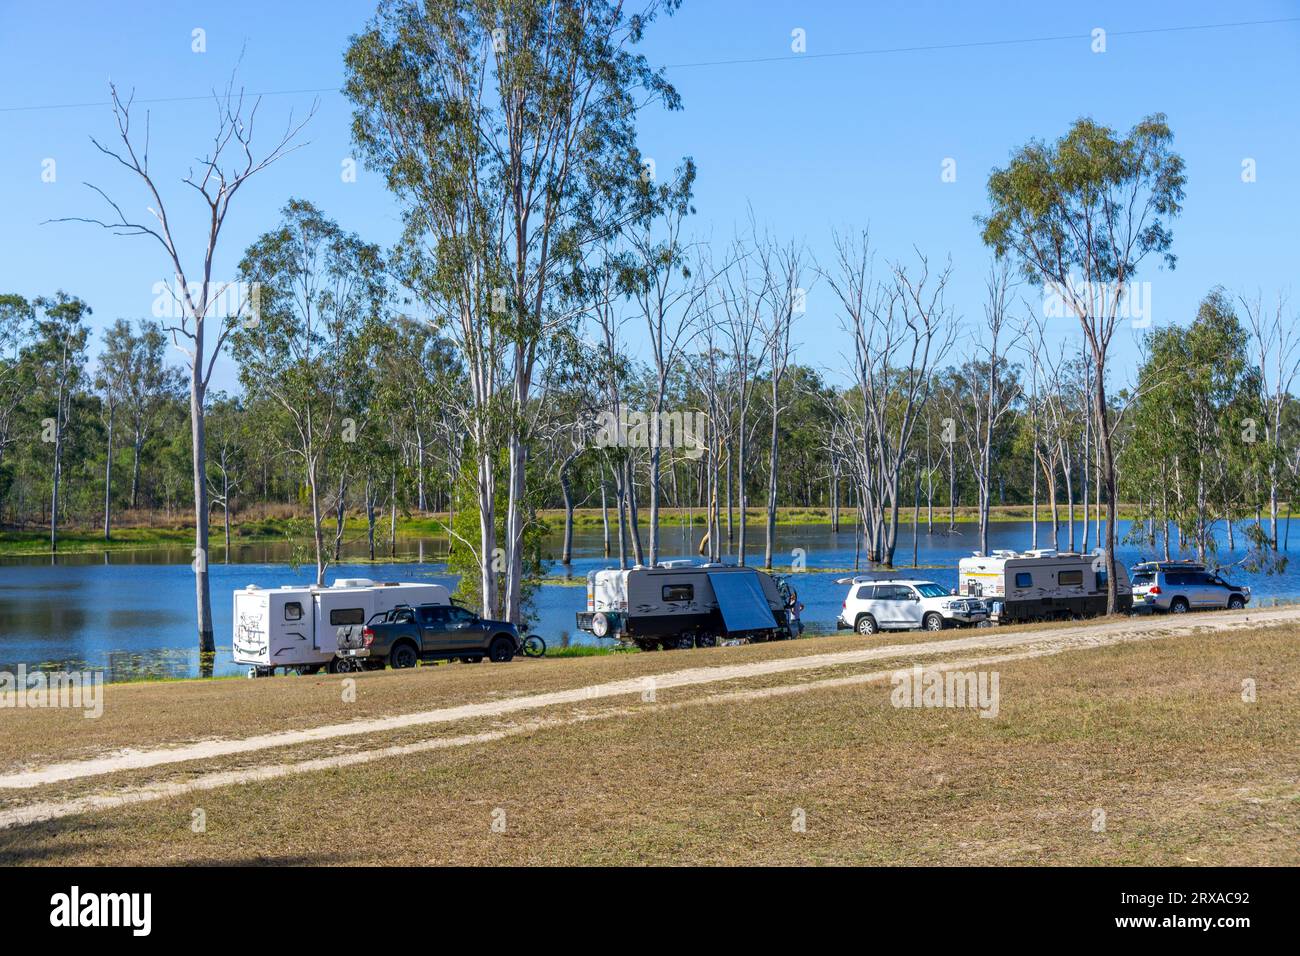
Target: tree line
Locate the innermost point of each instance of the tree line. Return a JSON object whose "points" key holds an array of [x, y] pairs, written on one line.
{"points": [[547, 333]]}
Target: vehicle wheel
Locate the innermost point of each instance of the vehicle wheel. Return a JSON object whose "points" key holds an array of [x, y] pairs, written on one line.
{"points": [[684, 642], [933, 622], [403, 656], [706, 640], [867, 625], [1236, 602], [1178, 606], [501, 650], [534, 646]]}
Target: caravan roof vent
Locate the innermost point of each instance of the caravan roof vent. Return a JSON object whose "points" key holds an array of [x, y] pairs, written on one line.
{"points": [[679, 563], [353, 583], [1044, 553]]}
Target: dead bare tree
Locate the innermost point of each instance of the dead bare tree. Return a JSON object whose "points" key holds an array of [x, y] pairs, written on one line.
{"points": [[218, 177], [783, 267], [1276, 339], [987, 394], [901, 331]]}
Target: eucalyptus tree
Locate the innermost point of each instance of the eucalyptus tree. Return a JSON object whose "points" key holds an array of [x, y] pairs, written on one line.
{"points": [[16, 314], [148, 385], [56, 360], [228, 438], [507, 131], [1275, 341], [1198, 395], [603, 287], [667, 288], [320, 288], [112, 379], [784, 267], [201, 299], [1079, 216], [742, 295], [901, 331], [987, 388]]}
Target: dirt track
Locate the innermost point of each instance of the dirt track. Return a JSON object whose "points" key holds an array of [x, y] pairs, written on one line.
{"points": [[1013, 644]]}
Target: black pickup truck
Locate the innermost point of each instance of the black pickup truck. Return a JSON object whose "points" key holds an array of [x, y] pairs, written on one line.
{"points": [[408, 634]]}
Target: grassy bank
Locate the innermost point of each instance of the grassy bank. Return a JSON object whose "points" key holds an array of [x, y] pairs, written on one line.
{"points": [[179, 534], [1155, 734]]}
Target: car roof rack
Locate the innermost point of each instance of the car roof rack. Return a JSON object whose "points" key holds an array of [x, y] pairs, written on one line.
{"points": [[1185, 565]]}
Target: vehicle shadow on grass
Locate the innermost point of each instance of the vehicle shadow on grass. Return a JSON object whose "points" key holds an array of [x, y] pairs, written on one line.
{"points": [[51, 844]]}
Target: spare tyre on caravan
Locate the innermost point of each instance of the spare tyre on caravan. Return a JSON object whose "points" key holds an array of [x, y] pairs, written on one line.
{"points": [[295, 626], [680, 604]]}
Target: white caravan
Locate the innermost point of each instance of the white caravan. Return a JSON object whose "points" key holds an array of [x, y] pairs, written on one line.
{"points": [[1041, 585], [295, 626]]}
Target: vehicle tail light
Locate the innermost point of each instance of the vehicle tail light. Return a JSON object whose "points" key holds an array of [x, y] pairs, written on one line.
{"points": [[368, 636], [1155, 589]]}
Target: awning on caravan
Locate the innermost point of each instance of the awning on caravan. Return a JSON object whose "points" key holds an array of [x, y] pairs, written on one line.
{"points": [[741, 601]]}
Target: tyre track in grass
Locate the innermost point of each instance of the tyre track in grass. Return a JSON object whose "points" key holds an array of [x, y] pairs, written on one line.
{"points": [[1034, 643]]}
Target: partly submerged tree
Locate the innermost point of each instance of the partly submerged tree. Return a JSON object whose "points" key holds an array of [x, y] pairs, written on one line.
{"points": [[1079, 216], [206, 308]]}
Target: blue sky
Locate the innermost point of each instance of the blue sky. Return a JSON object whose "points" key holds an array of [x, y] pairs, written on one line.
{"points": [[811, 143]]}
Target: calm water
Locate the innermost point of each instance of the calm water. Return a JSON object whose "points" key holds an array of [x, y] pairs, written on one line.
{"points": [[132, 613]]}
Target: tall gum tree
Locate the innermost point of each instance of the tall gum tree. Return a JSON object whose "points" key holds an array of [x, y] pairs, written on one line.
{"points": [[507, 131], [1079, 216]]}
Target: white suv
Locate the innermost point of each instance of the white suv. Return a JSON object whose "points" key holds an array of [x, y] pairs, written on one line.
{"points": [[873, 606]]}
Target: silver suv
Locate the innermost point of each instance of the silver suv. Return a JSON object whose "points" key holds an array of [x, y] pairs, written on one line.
{"points": [[1182, 586]]}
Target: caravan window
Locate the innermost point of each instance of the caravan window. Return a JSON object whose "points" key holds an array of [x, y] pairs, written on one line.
{"points": [[1067, 578], [347, 615], [679, 592], [1024, 579], [293, 611]]}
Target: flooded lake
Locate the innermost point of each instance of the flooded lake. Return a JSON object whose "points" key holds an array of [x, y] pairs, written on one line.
{"points": [[131, 613]]}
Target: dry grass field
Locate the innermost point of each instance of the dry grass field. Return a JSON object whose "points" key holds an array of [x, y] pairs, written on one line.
{"points": [[1142, 722]]}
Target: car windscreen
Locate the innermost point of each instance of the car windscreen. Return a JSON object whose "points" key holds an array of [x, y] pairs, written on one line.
{"points": [[1143, 577], [932, 590]]}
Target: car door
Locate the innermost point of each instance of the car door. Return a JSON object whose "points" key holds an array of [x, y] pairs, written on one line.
{"points": [[888, 604], [463, 629], [873, 602], [1209, 592], [432, 621], [909, 606]]}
